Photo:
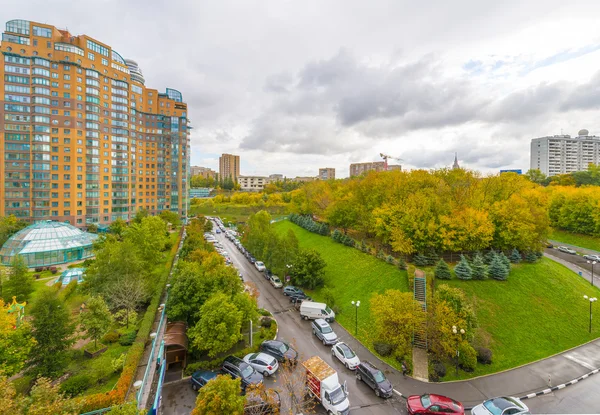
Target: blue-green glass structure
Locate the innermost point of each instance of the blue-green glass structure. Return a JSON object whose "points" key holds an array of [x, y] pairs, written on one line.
{"points": [[48, 243]]}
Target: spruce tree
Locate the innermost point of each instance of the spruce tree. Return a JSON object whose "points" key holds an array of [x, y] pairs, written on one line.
{"points": [[531, 257], [463, 269], [489, 257], [442, 270], [20, 281], [420, 260], [401, 264], [390, 259], [505, 261], [497, 269], [336, 235], [381, 254], [515, 256], [363, 246], [479, 268]]}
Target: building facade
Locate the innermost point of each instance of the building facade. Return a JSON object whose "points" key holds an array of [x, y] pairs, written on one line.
{"points": [[561, 154], [253, 183], [199, 192], [205, 172], [326, 173], [229, 167], [357, 169], [83, 140], [275, 177]]}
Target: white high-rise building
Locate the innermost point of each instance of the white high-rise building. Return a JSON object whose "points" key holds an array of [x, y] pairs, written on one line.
{"points": [[560, 154]]}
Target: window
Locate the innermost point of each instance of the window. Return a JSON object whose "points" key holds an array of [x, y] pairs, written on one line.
{"points": [[42, 31], [97, 48], [91, 56], [21, 40], [66, 47], [18, 26]]}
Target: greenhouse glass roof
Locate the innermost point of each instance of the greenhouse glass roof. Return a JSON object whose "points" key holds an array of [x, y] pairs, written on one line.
{"points": [[46, 237]]}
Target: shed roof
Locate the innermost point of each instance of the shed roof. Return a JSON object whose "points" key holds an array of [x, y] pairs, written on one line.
{"points": [[175, 335]]}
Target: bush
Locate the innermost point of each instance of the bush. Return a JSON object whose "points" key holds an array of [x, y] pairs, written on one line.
{"points": [[127, 338], [390, 259], [39, 269], [505, 261], [363, 246], [266, 322], [439, 369], [36, 276], [111, 337], [168, 245], [432, 258], [531, 257], [381, 254], [383, 349], [75, 385], [401, 264], [263, 312], [117, 363], [336, 235], [121, 317], [463, 269], [489, 257], [467, 358], [420, 260], [484, 355], [539, 254], [328, 296], [68, 290], [442, 270], [515, 256]]}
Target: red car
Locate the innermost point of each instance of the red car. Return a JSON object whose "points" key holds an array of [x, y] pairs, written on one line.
{"points": [[433, 405]]}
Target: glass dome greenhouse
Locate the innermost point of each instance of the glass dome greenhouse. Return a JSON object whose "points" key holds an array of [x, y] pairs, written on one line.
{"points": [[48, 243]]}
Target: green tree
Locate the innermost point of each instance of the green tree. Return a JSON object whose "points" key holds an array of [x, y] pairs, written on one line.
{"points": [[531, 257], [220, 396], [140, 215], [219, 327], [463, 269], [515, 256], [9, 225], [53, 331], [308, 269], [505, 261], [170, 217], [20, 281], [479, 268], [497, 270], [489, 257], [536, 176], [95, 319], [92, 228], [117, 227], [149, 236], [328, 295], [127, 409], [442, 270]]}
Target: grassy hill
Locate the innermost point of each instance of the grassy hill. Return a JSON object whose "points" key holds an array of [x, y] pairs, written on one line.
{"points": [[539, 311]]}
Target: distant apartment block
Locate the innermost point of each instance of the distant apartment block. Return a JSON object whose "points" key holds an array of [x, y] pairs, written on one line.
{"points": [[205, 172], [229, 167], [326, 173], [357, 169], [304, 179], [276, 177], [253, 183], [561, 154]]}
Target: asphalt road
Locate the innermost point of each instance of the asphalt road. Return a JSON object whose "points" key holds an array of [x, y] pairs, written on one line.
{"points": [[581, 398]]}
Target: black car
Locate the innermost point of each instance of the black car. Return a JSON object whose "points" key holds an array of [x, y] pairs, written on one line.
{"points": [[201, 378], [279, 350], [252, 259], [237, 368], [298, 298], [262, 402], [375, 378]]}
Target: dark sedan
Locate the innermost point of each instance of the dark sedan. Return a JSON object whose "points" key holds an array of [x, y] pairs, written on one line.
{"points": [[201, 378], [375, 379], [279, 350]]}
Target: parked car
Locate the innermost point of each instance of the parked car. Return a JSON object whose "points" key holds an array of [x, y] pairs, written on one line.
{"points": [[237, 368], [217, 230], [566, 250], [345, 355], [433, 405], [262, 363], [592, 257], [298, 298], [279, 350], [291, 290], [503, 405], [262, 402], [548, 244], [275, 281], [324, 332], [260, 266], [252, 259], [375, 379], [201, 377]]}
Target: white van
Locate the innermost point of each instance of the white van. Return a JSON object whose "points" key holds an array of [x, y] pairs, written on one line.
{"points": [[312, 310]]}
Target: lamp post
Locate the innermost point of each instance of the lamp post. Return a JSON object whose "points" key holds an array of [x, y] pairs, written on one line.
{"points": [[356, 304], [593, 263], [592, 300], [455, 330]]}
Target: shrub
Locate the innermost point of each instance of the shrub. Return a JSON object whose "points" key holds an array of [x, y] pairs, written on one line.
{"points": [[383, 349], [168, 245], [381, 254], [39, 269], [442, 270], [432, 258], [484, 355], [420, 260], [328, 296], [263, 312], [401, 264], [75, 385], [346, 240], [505, 261], [515, 256], [463, 269], [69, 290], [266, 322], [127, 338], [121, 317], [363, 246], [390, 259], [36, 276], [440, 369], [467, 358], [539, 254], [117, 363], [111, 337], [531, 257], [336, 235]]}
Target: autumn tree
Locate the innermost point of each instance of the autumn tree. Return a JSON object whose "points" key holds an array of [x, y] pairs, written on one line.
{"points": [[20, 281], [95, 319], [220, 396], [45, 398], [53, 332], [292, 380], [127, 409], [16, 342], [395, 316]]}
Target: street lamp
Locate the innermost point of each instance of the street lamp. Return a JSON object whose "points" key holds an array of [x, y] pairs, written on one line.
{"points": [[592, 300], [455, 330], [593, 263], [356, 304]]}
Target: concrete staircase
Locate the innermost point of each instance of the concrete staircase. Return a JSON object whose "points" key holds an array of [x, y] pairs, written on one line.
{"points": [[420, 294]]}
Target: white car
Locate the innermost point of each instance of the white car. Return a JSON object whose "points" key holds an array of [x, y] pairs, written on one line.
{"points": [[504, 405], [346, 355], [262, 362], [275, 281], [260, 266], [567, 250]]}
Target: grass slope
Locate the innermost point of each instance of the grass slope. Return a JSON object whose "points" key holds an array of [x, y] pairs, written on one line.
{"points": [[576, 239], [353, 275]]}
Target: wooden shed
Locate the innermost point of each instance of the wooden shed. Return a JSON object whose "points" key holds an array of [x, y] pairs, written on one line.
{"points": [[176, 344]]}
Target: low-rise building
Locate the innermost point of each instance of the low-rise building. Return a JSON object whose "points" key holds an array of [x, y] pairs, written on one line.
{"points": [[205, 172], [326, 173], [303, 179], [199, 192], [276, 177], [253, 183]]}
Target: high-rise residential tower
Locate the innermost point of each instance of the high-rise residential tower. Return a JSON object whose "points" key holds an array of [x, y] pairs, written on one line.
{"points": [[326, 173], [561, 154], [83, 140], [229, 167]]}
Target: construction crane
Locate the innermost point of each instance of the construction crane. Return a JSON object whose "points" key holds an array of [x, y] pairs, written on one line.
{"points": [[385, 158]]}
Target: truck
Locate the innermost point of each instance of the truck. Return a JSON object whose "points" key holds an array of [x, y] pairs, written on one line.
{"points": [[312, 310], [323, 384]]}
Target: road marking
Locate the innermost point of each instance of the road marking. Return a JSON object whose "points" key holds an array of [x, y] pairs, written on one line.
{"points": [[579, 361]]}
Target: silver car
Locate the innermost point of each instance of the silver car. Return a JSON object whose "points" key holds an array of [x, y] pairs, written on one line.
{"points": [[592, 257], [504, 405], [566, 250], [262, 363], [324, 332]]}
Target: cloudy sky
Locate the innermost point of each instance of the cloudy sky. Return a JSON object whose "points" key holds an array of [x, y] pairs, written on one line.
{"points": [[292, 86]]}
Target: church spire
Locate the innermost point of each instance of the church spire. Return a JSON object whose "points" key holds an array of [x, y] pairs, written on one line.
{"points": [[455, 165]]}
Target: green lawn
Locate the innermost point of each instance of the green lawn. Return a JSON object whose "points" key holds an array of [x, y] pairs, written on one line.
{"points": [[539, 311], [577, 239], [353, 275], [234, 213]]}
